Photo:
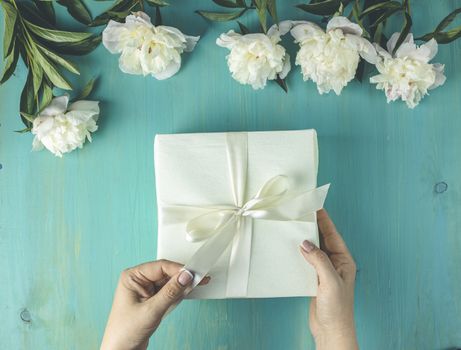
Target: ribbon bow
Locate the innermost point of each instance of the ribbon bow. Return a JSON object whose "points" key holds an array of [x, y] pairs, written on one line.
{"points": [[225, 224]]}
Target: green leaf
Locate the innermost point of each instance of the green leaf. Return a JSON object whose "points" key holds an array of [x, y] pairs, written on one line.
{"points": [[47, 95], [57, 35], [447, 20], [10, 66], [221, 16], [10, 25], [71, 67], [27, 99], [355, 13], [272, 7], [31, 13], [157, 3], [244, 30], [78, 48], [282, 83], [404, 32], [447, 36], [385, 16], [29, 117], [227, 3], [158, 17], [261, 8], [51, 72], [241, 3], [86, 90], [47, 10], [120, 5], [37, 76], [78, 10], [324, 8], [388, 5], [23, 131]]}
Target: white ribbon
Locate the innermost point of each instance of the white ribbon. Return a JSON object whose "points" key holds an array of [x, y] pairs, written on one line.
{"points": [[225, 225]]}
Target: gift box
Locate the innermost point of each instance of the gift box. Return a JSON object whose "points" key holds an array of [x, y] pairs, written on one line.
{"points": [[236, 206]]}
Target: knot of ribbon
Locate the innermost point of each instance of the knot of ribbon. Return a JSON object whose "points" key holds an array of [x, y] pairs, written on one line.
{"points": [[232, 224]]}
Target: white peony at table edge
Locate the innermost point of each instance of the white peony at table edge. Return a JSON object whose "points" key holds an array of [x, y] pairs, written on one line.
{"points": [[61, 128]]}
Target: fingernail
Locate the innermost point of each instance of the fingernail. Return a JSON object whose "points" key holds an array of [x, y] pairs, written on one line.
{"points": [[185, 277], [307, 246]]}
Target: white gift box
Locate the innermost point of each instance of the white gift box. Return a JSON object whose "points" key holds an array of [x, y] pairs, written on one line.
{"points": [[247, 200]]}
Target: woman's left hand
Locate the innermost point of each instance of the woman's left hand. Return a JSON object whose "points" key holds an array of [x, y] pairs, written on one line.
{"points": [[143, 296]]}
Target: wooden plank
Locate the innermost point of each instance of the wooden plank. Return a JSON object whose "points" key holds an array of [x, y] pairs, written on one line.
{"points": [[69, 226]]}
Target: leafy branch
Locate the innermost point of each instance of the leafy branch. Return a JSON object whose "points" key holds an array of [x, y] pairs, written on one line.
{"points": [[31, 32]]}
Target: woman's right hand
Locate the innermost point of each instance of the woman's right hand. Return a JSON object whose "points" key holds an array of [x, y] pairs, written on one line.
{"points": [[331, 316]]}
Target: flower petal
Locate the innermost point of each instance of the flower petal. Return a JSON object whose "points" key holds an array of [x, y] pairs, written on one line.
{"points": [[57, 105], [348, 27], [286, 66], [305, 30], [365, 49], [111, 36], [439, 76], [191, 41], [169, 71], [228, 39], [129, 61]]}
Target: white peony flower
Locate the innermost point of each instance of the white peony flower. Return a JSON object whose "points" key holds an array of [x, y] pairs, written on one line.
{"points": [[330, 58], [145, 48], [61, 129], [408, 75], [256, 58]]}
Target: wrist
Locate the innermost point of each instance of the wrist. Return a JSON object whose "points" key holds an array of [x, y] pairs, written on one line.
{"points": [[343, 339]]}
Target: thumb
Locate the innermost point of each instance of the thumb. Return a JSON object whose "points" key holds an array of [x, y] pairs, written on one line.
{"points": [[172, 292], [320, 261]]}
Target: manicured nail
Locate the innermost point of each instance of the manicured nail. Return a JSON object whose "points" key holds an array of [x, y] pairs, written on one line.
{"points": [[307, 246], [185, 277]]}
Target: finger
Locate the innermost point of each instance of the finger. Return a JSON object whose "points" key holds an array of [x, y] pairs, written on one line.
{"points": [[320, 261], [332, 240], [158, 270], [171, 292]]}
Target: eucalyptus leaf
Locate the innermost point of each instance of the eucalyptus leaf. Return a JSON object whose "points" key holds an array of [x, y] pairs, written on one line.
{"points": [[404, 32], [324, 8], [10, 65], [78, 10], [47, 10], [86, 90], [57, 35], [157, 3], [10, 25], [221, 16], [71, 67], [227, 3]]}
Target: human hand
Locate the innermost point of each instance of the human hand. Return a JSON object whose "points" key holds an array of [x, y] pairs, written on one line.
{"points": [[143, 295], [331, 315]]}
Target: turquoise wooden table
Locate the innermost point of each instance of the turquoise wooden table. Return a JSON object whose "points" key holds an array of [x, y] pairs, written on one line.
{"points": [[69, 226]]}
